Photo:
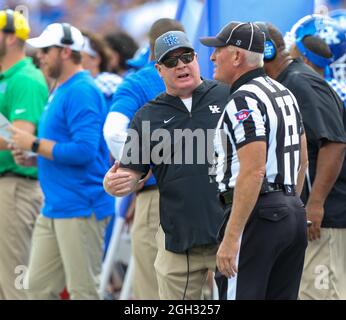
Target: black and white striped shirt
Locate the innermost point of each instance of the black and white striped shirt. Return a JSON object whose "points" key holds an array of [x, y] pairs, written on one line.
{"points": [[259, 109]]}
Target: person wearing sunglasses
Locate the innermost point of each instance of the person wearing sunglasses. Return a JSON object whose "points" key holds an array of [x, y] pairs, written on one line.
{"points": [[136, 90], [189, 211]]}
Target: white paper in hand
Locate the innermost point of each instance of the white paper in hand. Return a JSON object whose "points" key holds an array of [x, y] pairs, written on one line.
{"points": [[7, 135], [4, 125]]}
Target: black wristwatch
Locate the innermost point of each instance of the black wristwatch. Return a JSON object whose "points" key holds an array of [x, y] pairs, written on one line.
{"points": [[35, 145]]}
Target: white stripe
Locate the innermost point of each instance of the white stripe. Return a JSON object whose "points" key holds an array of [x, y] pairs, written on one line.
{"points": [[232, 282], [251, 36], [236, 27], [256, 116], [291, 120], [272, 164], [278, 84], [262, 81], [218, 147], [234, 160], [287, 165], [238, 128]]}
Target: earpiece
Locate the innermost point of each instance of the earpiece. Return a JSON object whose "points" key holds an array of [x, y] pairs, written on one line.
{"points": [[67, 37], [270, 50]]}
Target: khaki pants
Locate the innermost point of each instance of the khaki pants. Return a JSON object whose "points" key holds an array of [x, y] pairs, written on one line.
{"points": [[20, 204], [66, 252], [324, 274], [144, 248], [172, 270]]}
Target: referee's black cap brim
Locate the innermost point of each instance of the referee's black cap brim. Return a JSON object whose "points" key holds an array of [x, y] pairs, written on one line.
{"points": [[212, 42]]}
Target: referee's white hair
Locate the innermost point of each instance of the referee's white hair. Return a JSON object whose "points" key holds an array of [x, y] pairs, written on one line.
{"points": [[254, 59]]}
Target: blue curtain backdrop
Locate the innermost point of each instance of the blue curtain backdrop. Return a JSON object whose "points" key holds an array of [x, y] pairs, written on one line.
{"points": [[189, 13], [217, 13]]}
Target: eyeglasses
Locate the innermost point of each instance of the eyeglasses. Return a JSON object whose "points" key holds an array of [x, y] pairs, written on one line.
{"points": [[45, 50], [186, 57]]}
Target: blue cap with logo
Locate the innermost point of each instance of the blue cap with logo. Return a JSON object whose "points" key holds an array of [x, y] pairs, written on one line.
{"points": [[170, 41]]}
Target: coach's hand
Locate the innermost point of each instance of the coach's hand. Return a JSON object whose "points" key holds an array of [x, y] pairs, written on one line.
{"points": [[120, 182], [226, 258]]}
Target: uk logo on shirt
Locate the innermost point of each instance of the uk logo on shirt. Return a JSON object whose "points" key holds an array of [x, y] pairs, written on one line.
{"points": [[243, 114], [214, 109], [171, 40]]}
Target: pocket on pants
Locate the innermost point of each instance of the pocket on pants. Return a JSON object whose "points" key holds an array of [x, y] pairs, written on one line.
{"points": [[273, 214]]}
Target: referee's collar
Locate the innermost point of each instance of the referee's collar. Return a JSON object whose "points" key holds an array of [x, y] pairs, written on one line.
{"points": [[246, 77]]}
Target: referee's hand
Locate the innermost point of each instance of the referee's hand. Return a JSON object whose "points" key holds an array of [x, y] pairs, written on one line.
{"points": [[226, 257]]}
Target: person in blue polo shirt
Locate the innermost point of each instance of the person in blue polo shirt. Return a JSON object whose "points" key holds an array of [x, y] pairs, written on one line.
{"points": [[72, 160]]}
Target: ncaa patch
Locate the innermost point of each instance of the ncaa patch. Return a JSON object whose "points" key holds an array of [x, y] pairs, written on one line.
{"points": [[243, 114]]}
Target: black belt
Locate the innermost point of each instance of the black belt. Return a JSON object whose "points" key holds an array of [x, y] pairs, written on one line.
{"points": [[15, 175], [226, 197]]}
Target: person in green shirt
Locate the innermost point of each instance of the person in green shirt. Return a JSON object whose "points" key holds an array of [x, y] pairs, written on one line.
{"points": [[23, 95]]}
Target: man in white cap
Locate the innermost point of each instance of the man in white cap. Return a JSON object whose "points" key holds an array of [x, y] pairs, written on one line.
{"points": [[72, 159]]}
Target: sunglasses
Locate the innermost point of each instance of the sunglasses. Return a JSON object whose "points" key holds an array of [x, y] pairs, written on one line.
{"points": [[46, 49], [172, 61]]}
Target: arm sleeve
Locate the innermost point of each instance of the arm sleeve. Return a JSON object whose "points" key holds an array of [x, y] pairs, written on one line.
{"points": [[244, 117], [126, 102], [115, 132], [134, 149], [28, 101], [85, 125]]}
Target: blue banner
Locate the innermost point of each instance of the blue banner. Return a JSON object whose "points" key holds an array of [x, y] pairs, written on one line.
{"points": [[217, 13]]}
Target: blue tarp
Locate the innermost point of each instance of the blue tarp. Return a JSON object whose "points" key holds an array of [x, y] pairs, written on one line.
{"points": [[217, 13]]}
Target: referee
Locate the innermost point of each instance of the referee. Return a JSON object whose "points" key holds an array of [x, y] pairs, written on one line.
{"points": [[259, 175]]}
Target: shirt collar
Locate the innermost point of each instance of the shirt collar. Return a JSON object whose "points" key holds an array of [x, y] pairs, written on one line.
{"points": [[246, 77]]}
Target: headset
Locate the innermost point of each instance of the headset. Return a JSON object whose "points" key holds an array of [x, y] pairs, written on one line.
{"points": [[317, 60], [14, 22], [67, 34], [9, 27], [324, 27], [270, 50]]}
